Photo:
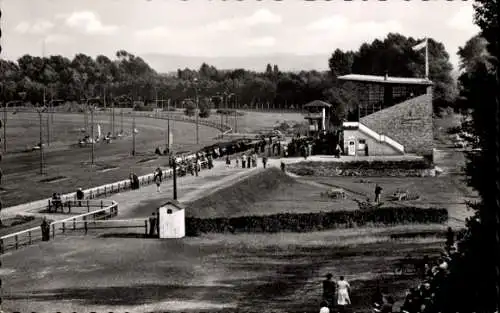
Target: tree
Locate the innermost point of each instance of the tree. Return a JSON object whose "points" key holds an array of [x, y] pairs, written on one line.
{"points": [[204, 108], [340, 63], [190, 109], [479, 257]]}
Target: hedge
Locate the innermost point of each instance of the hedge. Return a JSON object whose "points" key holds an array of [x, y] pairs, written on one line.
{"points": [[305, 222], [363, 168]]}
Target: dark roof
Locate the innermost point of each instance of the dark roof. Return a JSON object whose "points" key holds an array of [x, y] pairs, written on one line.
{"points": [[175, 203], [384, 80], [318, 103]]}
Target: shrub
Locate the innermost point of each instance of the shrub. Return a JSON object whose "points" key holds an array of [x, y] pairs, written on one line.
{"points": [[304, 222], [190, 109], [142, 108]]}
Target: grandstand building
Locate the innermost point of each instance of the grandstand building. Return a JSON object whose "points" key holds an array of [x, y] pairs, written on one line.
{"points": [[394, 116]]}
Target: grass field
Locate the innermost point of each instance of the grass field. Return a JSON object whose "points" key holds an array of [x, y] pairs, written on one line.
{"points": [[251, 272]]}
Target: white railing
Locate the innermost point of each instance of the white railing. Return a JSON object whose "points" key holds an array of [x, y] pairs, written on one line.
{"points": [[32, 235], [381, 138]]}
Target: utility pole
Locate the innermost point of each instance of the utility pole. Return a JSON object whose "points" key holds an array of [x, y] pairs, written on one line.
{"points": [[235, 121], [197, 112], [121, 113], [40, 111], [92, 134], [174, 169]]}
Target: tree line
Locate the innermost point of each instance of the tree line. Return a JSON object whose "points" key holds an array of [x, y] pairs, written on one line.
{"points": [[31, 78]]}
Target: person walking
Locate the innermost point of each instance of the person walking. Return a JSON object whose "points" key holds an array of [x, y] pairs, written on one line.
{"points": [[79, 196], [264, 161], [343, 298], [282, 166], [329, 289], [158, 178], [378, 191]]}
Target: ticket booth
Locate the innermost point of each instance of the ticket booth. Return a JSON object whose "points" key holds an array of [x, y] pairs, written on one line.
{"points": [[172, 221]]}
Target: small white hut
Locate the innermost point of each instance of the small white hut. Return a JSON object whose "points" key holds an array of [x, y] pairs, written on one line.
{"points": [[171, 221]]}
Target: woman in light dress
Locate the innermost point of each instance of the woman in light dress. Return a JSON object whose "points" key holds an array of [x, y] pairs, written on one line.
{"points": [[343, 289]]}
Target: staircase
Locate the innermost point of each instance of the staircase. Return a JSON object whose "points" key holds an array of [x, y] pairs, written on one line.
{"points": [[380, 138]]}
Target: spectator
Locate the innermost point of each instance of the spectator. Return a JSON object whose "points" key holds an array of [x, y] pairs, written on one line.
{"points": [[45, 230], [324, 307], [264, 161], [343, 289], [152, 225], [329, 289], [450, 238], [237, 162], [282, 166], [79, 196], [243, 161], [378, 191], [228, 161]]}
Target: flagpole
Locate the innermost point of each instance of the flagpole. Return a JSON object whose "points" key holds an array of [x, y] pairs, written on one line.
{"points": [[426, 58]]}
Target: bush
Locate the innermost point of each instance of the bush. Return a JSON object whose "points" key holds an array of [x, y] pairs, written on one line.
{"points": [[142, 108], [229, 112], [305, 222]]}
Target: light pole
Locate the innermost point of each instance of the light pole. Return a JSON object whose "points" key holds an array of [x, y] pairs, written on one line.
{"points": [[196, 112], [41, 110]]}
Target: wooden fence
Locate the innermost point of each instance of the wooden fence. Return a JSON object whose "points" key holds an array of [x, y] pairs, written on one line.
{"points": [[33, 235]]}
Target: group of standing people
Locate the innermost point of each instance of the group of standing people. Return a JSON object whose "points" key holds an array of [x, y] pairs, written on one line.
{"points": [[335, 294]]}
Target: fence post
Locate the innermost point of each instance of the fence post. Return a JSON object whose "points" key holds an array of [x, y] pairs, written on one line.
{"points": [[69, 206], [48, 206], [102, 205], [88, 206], [29, 237], [53, 231], [146, 227], [17, 243], [1, 246], [105, 191], [63, 227], [74, 223]]}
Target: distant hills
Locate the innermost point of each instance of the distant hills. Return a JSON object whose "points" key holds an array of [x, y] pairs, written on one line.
{"points": [[167, 63]]}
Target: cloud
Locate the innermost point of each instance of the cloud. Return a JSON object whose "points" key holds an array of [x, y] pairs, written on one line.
{"points": [[267, 41], [259, 17], [58, 39], [90, 23], [263, 16], [329, 23], [463, 20], [37, 27], [156, 32]]}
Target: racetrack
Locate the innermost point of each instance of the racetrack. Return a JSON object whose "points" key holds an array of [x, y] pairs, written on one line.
{"points": [[21, 180]]}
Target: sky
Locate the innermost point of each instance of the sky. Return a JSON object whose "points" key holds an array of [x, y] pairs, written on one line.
{"points": [[218, 28]]}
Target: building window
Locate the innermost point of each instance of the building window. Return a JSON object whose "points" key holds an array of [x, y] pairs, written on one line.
{"points": [[362, 141]]}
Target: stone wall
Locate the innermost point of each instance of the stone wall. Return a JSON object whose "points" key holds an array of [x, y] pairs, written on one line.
{"points": [[409, 123]]}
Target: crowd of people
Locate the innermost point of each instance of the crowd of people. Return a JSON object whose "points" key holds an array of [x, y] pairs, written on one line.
{"points": [[423, 298]]}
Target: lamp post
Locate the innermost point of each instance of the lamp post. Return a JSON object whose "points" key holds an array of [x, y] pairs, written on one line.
{"points": [[174, 176], [41, 110], [196, 111]]}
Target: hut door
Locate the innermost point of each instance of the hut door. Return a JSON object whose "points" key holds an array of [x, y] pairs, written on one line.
{"points": [[351, 147]]}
